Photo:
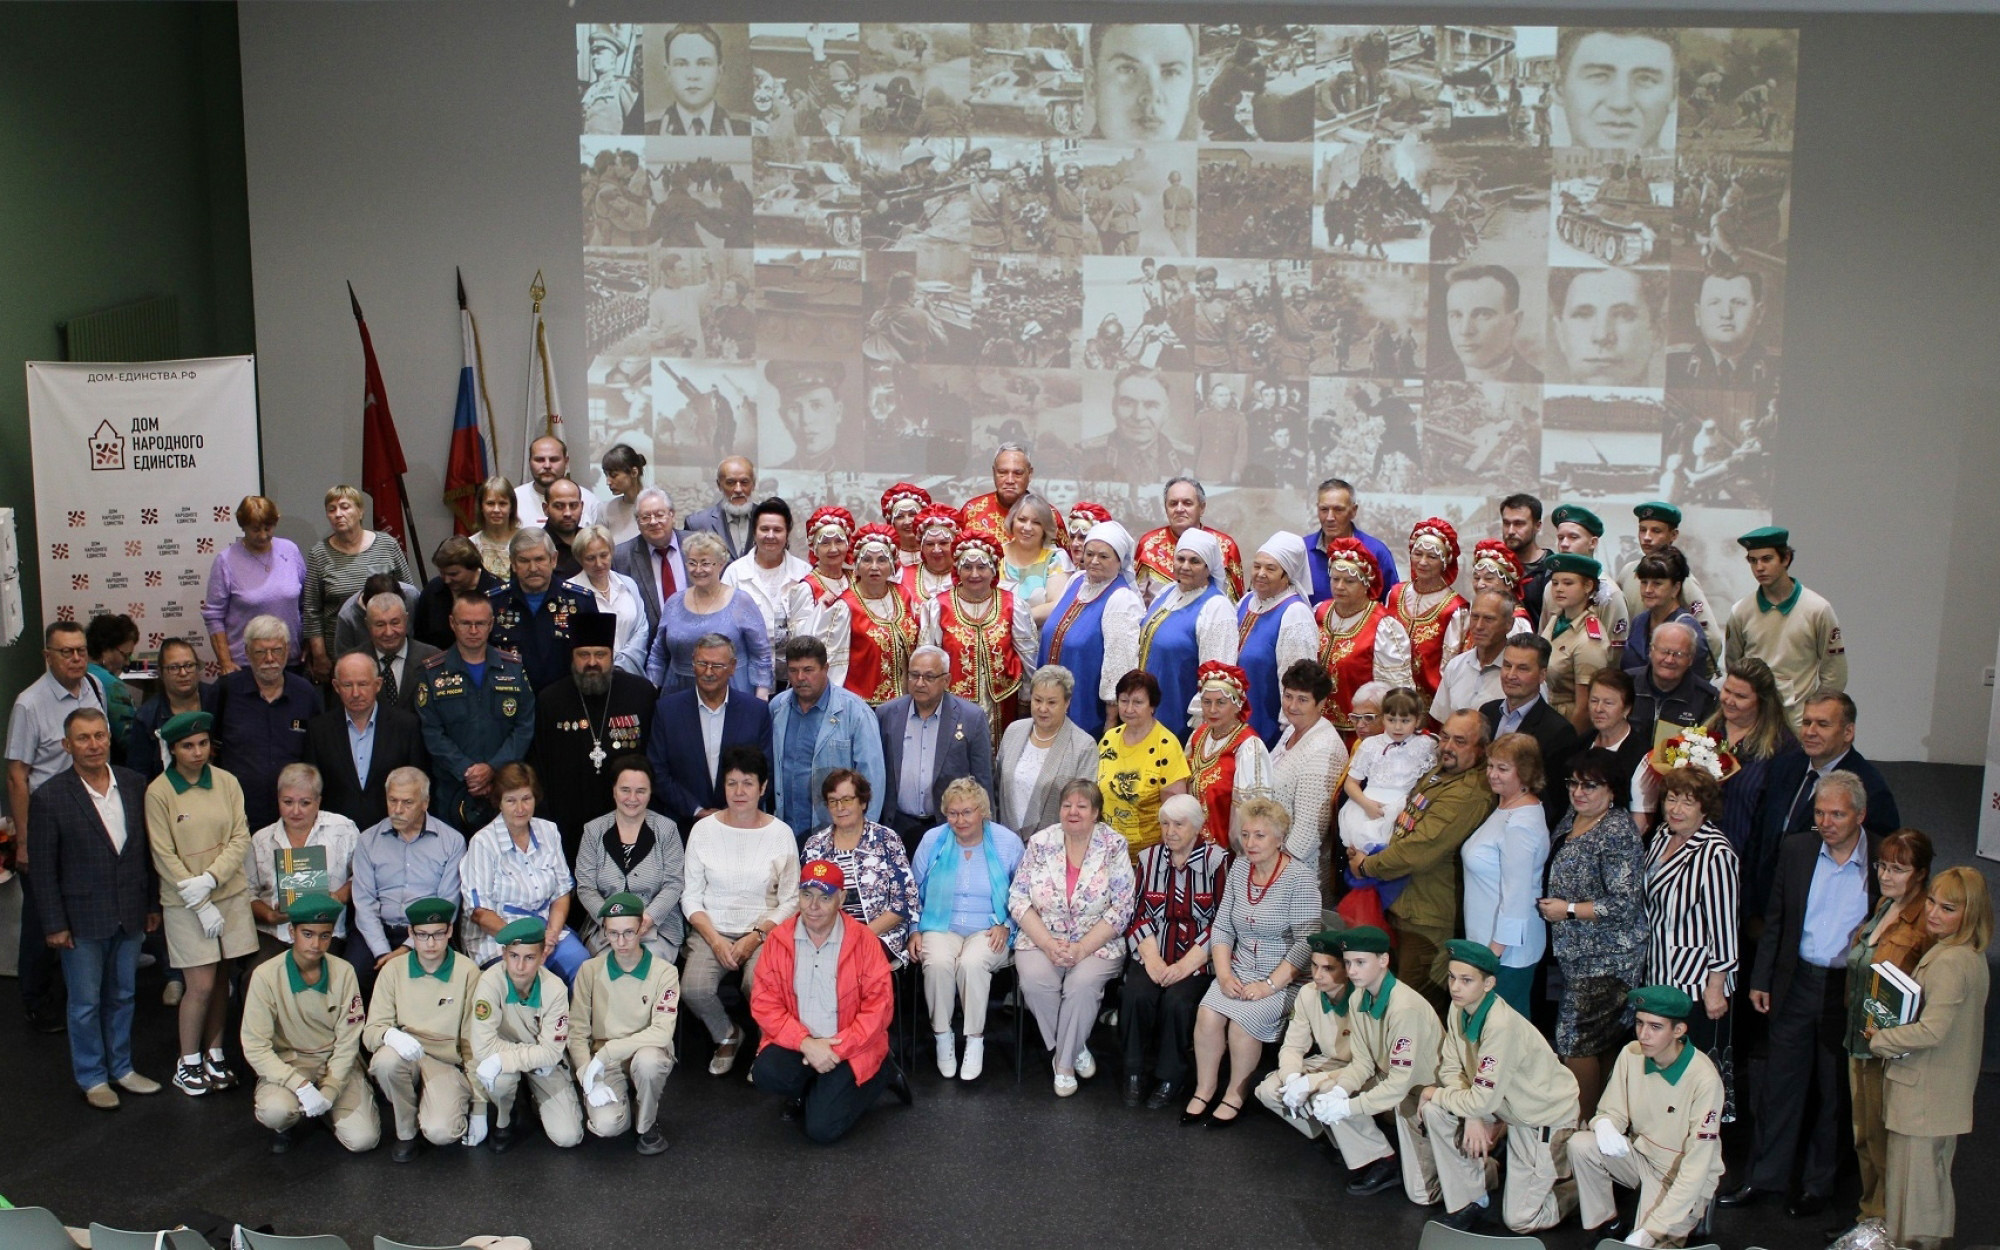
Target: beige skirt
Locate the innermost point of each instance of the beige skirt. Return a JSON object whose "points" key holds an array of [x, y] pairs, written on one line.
{"points": [[189, 947]]}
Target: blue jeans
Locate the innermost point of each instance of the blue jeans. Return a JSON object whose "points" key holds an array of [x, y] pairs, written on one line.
{"points": [[100, 975]]}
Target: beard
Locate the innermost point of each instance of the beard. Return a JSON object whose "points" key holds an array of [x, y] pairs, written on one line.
{"points": [[593, 683], [737, 512]]}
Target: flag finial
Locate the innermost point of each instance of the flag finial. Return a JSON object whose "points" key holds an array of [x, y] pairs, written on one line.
{"points": [[355, 302], [538, 290], [460, 275]]}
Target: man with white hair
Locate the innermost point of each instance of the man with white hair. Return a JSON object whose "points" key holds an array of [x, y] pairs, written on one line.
{"points": [[1667, 692], [407, 856], [260, 717], [930, 738], [396, 655], [534, 615], [653, 559], [728, 518], [1012, 473]]}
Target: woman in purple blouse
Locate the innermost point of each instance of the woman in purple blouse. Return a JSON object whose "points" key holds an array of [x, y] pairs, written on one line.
{"points": [[257, 575]]}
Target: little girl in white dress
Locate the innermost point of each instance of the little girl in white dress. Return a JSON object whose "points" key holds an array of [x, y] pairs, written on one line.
{"points": [[1385, 769]]}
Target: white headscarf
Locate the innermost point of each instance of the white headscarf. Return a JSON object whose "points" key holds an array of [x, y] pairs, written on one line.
{"points": [[1119, 539], [1289, 550], [1198, 541]]}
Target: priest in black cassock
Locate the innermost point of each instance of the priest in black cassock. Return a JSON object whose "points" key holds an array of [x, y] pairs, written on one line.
{"points": [[582, 723]]}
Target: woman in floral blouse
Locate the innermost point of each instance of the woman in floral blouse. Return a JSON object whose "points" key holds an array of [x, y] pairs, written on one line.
{"points": [[881, 893], [1072, 897]]}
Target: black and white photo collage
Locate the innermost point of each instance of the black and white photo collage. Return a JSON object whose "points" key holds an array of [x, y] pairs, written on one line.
{"points": [[1444, 262]]}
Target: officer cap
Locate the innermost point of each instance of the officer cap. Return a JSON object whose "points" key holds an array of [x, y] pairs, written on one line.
{"points": [[526, 929], [1773, 536], [623, 903], [793, 376], [1326, 942], [178, 727], [1364, 940], [314, 908], [1659, 511], [1474, 954], [1661, 1000], [1581, 516], [594, 629], [1571, 562], [430, 911]]}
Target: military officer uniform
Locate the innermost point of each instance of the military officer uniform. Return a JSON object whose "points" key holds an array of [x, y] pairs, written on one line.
{"points": [[297, 1034], [1395, 1047], [467, 722], [434, 1093], [1799, 638], [517, 1037], [1578, 644], [621, 1041], [540, 637], [1495, 1065], [1670, 1119], [1696, 364], [1318, 1044]]}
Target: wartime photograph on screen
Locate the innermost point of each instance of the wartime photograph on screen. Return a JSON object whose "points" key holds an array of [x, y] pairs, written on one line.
{"points": [[1443, 262]]}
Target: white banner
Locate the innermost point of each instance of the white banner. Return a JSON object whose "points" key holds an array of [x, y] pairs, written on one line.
{"points": [[1989, 811], [138, 471]]}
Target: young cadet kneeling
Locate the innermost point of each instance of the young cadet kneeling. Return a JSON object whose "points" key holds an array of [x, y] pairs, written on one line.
{"points": [[1497, 1069], [621, 1040], [1395, 1045], [1657, 1126], [302, 1018], [1318, 1041], [520, 1026], [420, 1030]]}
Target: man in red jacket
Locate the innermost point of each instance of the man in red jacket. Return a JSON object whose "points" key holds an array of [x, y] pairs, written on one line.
{"points": [[822, 999]]}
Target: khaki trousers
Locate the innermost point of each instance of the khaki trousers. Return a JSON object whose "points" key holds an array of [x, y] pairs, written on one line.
{"points": [[1064, 1000], [1595, 1174], [1535, 1197], [1270, 1092], [555, 1094], [1921, 1205], [959, 968], [645, 1074], [426, 1096], [1361, 1142], [1871, 1133], [354, 1120]]}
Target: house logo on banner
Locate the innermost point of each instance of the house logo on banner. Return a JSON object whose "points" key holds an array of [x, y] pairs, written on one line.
{"points": [[1444, 262], [179, 441]]}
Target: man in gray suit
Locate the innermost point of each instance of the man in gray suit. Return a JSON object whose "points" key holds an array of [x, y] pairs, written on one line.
{"points": [[930, 738], [653, 559], [728, 518], [398, 657]]}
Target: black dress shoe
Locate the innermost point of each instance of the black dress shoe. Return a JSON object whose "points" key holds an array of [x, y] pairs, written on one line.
{"points": [[899, 1085], [1218, 1123], [792, 1110], [1617, 1230], [47, 1020], [1466, 1218], [1196, 1117], [1162, 1094], [1378, 1176], [404, 1151], [1747, 1195], [501, 1139], [281, 1141], [1135, 1090], [1805, 1206], [652, 1141]]}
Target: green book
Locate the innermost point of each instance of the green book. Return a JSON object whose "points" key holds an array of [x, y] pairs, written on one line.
{"points": [[1893, 997], [299, 870]]}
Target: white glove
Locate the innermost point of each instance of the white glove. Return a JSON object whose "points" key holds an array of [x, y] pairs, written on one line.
{"points": [[591, 1076], [1296, 1089], [546, 1072], [489, 1071], [211, 920], [475, 1131], [601, 1096], [195, 890], [403, 1044], [1331, 1107], [1640, 1237], [312, 1102], [1610, 1142]]}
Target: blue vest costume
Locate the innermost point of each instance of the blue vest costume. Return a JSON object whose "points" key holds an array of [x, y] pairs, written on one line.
{"points": [[1082, 653], [1258, 659], [1172, 655]]}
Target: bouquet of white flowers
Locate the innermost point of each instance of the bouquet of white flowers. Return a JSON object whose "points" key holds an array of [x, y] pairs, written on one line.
{"points": [[1693, 747]]}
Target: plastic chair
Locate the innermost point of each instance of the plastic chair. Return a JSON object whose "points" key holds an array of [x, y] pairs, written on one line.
{"points": [[33, 1228], [1614, 1243], [1438, 1237], [106, 1238], [383, 1243], [273, 1241]]}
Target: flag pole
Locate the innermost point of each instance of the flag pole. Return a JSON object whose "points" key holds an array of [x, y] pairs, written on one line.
{"points": [[485, 396]]}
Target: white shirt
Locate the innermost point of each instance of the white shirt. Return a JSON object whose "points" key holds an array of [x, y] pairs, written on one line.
{"points": [[333, 831], [630, 642], [1464, 683], [534, 511], [769, 589], [740, 876], [711, 728], [109, 809]]}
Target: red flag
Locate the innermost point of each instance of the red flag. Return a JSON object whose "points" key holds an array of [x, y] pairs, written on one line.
{"points": [[382, 463]]}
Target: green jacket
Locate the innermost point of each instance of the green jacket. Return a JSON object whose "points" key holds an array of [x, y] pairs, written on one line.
{"points": [[1440, 814]]}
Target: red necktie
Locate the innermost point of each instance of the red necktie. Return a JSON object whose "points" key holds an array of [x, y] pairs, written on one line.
{"points": [[666, 574]]}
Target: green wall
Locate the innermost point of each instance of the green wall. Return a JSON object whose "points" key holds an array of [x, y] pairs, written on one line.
{"points": [[121, 176]]}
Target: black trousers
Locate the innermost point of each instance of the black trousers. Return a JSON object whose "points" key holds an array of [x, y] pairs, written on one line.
{"points": [[833, 1101], [911, 829], [363, 956], [39, 971], [1805, 1077], [1156, 1023]]}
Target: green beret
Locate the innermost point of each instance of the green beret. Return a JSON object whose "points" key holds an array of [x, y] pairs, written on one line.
{"points": [[1581, 516], [526, 929], [430, 911], [1768, 536], [1658, 510], [1364, 940], [624, 903], [1570, 562], [1326, 942], [1661, 1000], [178, 727], [1475, 954], [314, 908]]}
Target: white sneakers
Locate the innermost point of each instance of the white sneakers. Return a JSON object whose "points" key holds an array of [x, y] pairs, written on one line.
{"points": [[975, 1059], [1086, 1064], [1065, 1085], [947, 1054]]}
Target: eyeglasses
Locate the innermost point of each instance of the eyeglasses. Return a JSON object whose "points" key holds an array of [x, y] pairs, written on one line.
{"points": [[1364, 718], [69, 653], [416, 936], [712, 666], [1579, 783], [843, 800], [1883, 865], [1665, 654], [919, 675], [186, 666]]}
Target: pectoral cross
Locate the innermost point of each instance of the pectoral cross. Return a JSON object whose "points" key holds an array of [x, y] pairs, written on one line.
{"points": [[597, 757]]}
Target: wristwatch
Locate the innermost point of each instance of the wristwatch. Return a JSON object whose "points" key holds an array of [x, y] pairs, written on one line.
{"points": [[1572, 911], [1273, 984]]}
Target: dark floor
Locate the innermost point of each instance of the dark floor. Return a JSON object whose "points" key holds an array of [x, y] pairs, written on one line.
{"points": [[986, 1165]]}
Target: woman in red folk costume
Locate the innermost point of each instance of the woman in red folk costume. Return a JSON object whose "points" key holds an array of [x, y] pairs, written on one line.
{"points": [[829, 536], [937, 528], [1359, 641], [1082, 515], [901, 505], [870, 631], [989, 633], [1229, 763], [1495, 567], [1426, 605]]}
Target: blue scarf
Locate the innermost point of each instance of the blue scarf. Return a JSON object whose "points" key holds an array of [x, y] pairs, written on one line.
{"points": [[941, 882]]}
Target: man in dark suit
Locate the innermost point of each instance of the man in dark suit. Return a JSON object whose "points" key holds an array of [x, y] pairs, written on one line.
{"points": [[1824, 891], [459, 568], [1826, 742], [397, 656], [728, 518], [692, 728], [97, 900], [1524, 661], [930, 738], [692, 53], [367, 733], [653, 559]]}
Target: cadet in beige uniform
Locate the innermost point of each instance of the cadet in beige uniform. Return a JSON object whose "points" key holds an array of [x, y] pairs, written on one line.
{"points": [[1657, 1126], [1496, 1068], [520, 1028], [1578, 645], [1578, 532], [1790, 628], [420, 1031], [1317, 1043], [621, 1041], [302, 1018], [1396, 1036]]}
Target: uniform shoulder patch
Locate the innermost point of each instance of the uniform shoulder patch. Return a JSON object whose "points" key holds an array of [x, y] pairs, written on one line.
{"points": [[503, 653], [1593, 629], [482, 1010], [437, 661]]}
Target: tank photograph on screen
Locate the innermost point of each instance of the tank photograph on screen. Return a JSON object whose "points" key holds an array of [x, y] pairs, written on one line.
{"points": [[1443, 263]]}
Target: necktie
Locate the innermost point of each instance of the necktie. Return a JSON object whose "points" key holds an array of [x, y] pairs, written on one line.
{"points": [[699, 126], [1802, 804], [386, 665], [667, 586]]}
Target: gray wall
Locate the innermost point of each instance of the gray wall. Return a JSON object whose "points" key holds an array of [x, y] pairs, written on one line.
{"points": [[387, 143]]}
